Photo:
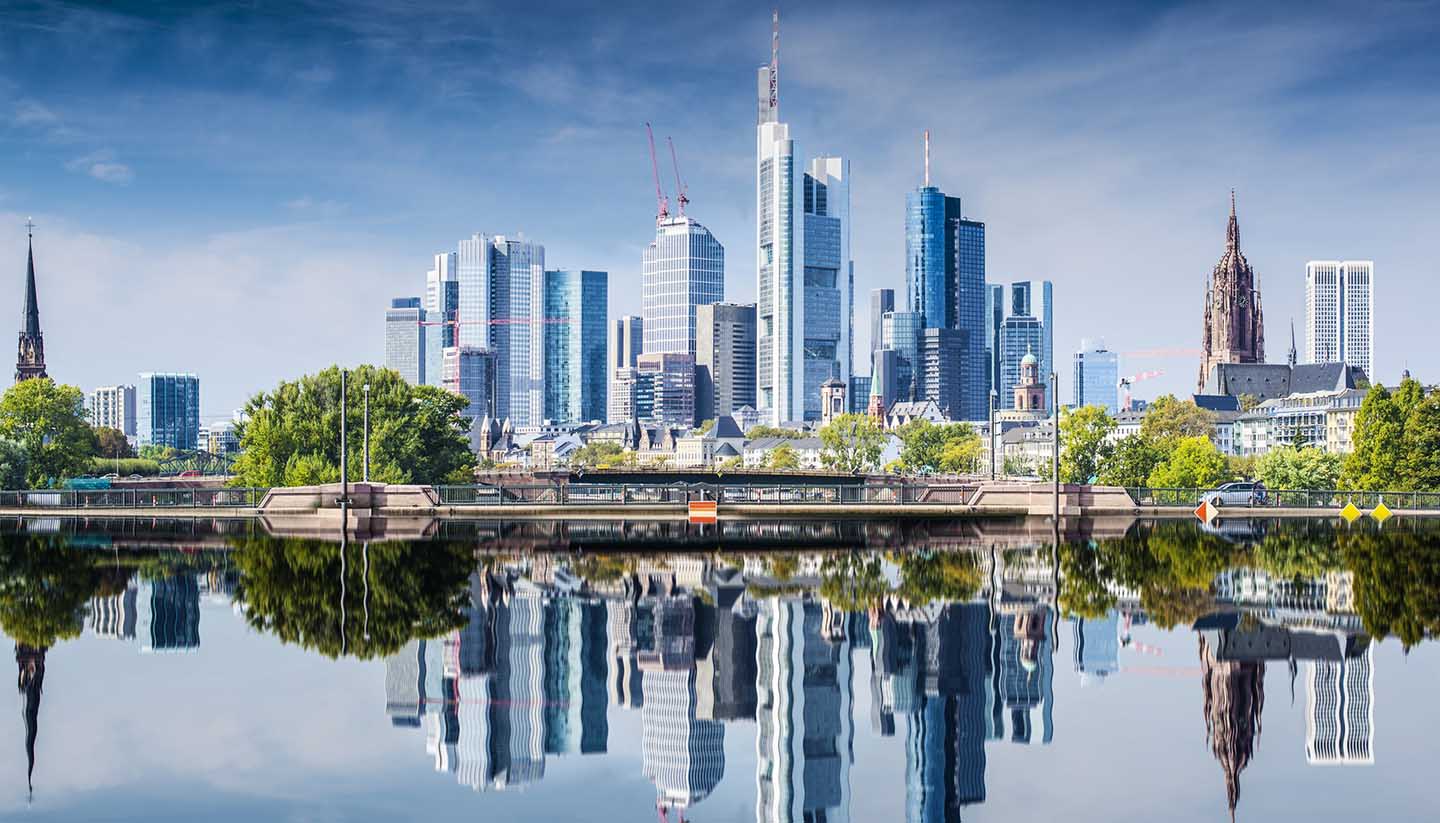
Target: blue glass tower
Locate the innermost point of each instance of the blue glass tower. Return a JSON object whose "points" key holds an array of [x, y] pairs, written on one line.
{"points": [[169, 410], [575, 345], [926, 273]]}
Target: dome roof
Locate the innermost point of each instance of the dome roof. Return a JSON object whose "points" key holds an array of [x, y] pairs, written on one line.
{"points": [[1029, 359]]}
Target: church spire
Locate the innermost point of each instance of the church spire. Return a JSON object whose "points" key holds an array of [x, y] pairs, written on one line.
{"points": [[30, 357], [1232, 230], [1294, 355]]}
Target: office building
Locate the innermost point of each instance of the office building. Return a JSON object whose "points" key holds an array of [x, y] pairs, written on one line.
{"points": [[1340, 710], [442, 278], [881, 301], [724, 359], [221, 438], [469, 371], [168, 410], [805, 276], [113, 407], [1338, 321], [859, 396], [1096, 379], [576, 379], [1028, 327], [900, 333], [405, 339], [994, 320], [169, 613], [626, 341], [500, 308], [683, 267], [632, 396], [941, 351], [672, 386]]}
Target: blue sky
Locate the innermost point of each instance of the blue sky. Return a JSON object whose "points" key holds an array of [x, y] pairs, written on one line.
{"points": [[238, 189]]}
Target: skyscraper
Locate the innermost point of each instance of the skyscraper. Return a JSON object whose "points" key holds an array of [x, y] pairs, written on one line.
{"points": [[683, 267], [113, 407], [626, 341], [724, 359], [576, 379], [672, 385], [939, 379], [900, 333], [469, 371], [805, 276], [1338, 321], [30, 358], [994, 320], [1340, 710], [1234, 329], [1096, 379], [405, 339], [881, 301], [168, 410], [501, 304], [1028, 328]]}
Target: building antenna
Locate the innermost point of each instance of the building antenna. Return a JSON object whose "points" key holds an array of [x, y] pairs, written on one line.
{"points": [[775, 62], [681, 197], [30, 227], [662, 205], [927, 158]]}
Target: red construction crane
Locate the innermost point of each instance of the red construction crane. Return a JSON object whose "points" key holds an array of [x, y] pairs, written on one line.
{"points": [[680, 198], [662, 206], [1127, 382]]}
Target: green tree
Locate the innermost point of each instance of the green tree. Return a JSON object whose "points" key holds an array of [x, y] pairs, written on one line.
{"points": [[49, 421], [367, 605], [1084, 443], [1194, 463], [1248, 402], [853, 582], [705, 426], [1291, 468], [1396, 575], [1131, 462], [851, 443], [598, 455], [1377, 457], [1421, 445], [923, 444], [1170, 419], [962, 455], [112, 443], [14, 465], [44, 586], [762, 431], [291, 436], [938, 576], [782, 457]]}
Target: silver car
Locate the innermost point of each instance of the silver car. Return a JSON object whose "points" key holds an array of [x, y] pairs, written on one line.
{"points": [[1239, 493]]}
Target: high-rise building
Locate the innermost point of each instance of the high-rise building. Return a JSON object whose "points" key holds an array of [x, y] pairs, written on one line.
{"points": [[1096, 381], [1338, 320], [881, 301], [683, 267], [626, 341], [724, 358], [169, 613], [939, 379], [672, 385], [1340, 710], [576, 379], [405, 339], [1028, 328], [168, 410], [632, 396], [469, 371], [900, 333], [438, 281], [994, 321], [805, 276], [1234, 322], [30, 359], [113, 407], [501, 305]]}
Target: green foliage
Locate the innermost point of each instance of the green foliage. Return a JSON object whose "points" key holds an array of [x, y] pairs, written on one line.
{"points": [[48, 420], [44, 586], [14, 465], [1292, 468], [924, 446], [782, 457], [1194, 463], [1084, 443], [734, 464], [758, 432], [1170, 419], [853, 582], [598, 455], [1298, 550], [852, 443], [1376, 460], [292, 588], [1396, 578], [150, 451], [1017, 466], [705, 426], [125, 466], [946, 576], [1421, 445], [291, 436], [112, 443], [782, 567], [1248, 402]]}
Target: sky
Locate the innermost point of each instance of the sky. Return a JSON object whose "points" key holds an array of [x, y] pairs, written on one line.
{"points": [[238, 189]]}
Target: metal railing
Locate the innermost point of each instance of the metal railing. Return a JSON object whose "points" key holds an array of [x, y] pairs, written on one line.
{"points": [[240, 497], [579, 494], [1292, 498]]}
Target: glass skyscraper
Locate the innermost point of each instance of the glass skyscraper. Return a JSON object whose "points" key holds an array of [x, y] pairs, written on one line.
{"points": [[469, 372], [405, 339], [901, 334], [881, 301], [500, 308], [169, 410], [1028, 328], [929, 264], [1097, 377], [683, 267], [575, 374]]}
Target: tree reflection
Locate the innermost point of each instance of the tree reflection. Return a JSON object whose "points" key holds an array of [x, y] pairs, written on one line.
{"points": [[44, 586], [1396, 580], [362, 601]]}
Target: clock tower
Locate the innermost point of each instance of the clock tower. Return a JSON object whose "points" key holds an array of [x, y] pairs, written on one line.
{"points": [[1234, 323]]}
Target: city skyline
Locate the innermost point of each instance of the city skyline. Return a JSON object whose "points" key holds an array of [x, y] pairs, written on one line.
{"points": [[302, 227]]}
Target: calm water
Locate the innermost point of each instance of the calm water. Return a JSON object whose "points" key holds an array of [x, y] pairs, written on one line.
{"points": [[796, 672]]}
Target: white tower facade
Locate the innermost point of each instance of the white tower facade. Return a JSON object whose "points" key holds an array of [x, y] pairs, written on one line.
{"points": [[1339, 324], [683, 267]]}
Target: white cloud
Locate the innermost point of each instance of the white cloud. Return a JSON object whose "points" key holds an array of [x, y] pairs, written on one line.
{"points": [[31, 113], [102, 166]]}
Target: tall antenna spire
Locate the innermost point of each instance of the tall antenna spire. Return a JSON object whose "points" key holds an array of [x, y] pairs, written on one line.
{"points": [[775, 62], [927, 158]]}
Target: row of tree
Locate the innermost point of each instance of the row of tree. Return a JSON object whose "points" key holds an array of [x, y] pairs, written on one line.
{"points": [[1396, 440], [46, 437]]}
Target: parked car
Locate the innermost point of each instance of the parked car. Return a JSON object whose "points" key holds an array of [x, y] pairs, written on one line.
{"points": [[188, 473], [1239, 493]]}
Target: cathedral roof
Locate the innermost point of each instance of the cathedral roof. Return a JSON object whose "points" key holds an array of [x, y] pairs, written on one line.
{"points": [[1233, 259]]}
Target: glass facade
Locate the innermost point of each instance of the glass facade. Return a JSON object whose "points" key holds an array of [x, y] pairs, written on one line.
{"points": [[575, 373], [1096, 378], [881, 301], [469, 372], [1028, 326], [169, 410], [970, 318], [672, 381], [901, 334], [682, 268], [405, 339], [724, 359], [925, 270]]}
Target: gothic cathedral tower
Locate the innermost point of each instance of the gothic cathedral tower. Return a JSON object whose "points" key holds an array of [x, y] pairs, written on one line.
{"points": [[1234, 322], [30, 360]]}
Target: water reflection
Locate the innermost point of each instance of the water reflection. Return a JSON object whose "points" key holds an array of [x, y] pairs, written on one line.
{"points": [[497, 664]]}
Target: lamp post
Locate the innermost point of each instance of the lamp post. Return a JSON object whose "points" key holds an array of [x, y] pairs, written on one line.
{"points": [[344, 475], [366, 470], [994, 396]]}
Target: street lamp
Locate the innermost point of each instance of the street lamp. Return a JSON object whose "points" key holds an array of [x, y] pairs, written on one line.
{"points": [[1055, 451], [994, 397], [366, 470]]}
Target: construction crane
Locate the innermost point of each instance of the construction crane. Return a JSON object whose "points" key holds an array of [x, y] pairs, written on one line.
{"points": [[680, 197], [1127, 382], [662, 205]]}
